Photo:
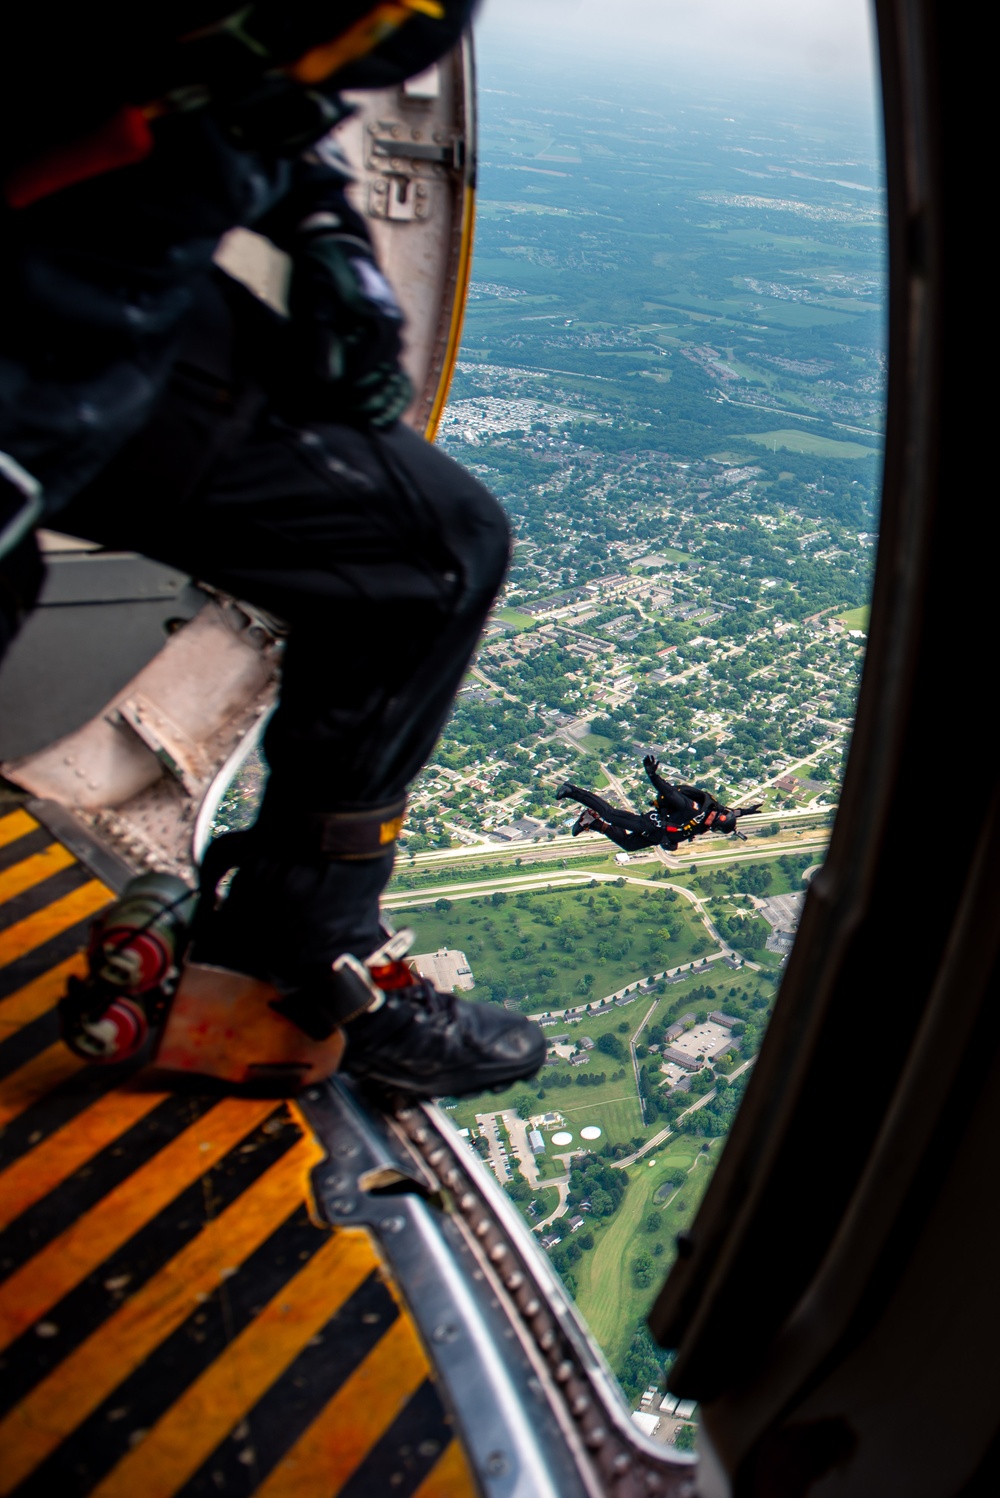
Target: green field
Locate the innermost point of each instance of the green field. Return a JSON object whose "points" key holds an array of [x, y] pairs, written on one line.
{"points": [[508, 864], [612, 1105], [607, 1293], [670, 552], [595, 742], [546, 1198], [562, 946], [518, 620], [810, 442], [856, 618]]}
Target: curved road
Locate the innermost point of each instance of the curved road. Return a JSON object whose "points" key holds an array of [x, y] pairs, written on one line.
{"points": [[665, 1134]]}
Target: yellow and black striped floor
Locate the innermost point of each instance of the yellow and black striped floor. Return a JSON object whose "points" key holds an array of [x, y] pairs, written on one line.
{"points": [[172, 1318]]}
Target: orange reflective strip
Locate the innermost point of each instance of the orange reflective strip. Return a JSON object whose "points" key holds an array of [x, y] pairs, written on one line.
{"points": [[35, 998], [54, 1409], [18, 824], [208, 1410], [35, 929], [356, 1417], [41, 1170], [56, 1269], [449, 1477], [37, 1077], [33, 870]]}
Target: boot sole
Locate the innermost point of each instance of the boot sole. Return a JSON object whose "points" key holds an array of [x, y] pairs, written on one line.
{"points": [[448, 1084]]}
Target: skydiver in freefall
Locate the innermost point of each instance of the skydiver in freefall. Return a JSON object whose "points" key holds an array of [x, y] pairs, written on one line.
{"points": [[266, 458], [681, 813]]}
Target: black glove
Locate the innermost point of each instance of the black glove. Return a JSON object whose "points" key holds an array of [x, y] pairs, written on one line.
{"points": [[347, 325], [650, 765]]}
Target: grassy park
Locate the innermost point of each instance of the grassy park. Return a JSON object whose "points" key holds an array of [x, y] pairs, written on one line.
{"points": [[608, 1293], [556, 947], [856, 618], [802, 441]]}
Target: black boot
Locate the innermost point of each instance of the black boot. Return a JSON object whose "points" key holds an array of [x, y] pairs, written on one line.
{"points": [[405, 1034], [428, 1043], [588, 821], [303, 922]]}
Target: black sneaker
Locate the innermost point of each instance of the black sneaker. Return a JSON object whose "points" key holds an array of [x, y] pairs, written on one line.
{"points": [[565, 791], [427, 1043]]}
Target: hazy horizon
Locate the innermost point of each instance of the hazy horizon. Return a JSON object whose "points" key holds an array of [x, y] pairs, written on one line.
{"points": [[825, 48]]}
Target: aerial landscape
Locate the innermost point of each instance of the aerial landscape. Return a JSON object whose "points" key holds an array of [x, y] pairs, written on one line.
{"points": [[673, 376]]}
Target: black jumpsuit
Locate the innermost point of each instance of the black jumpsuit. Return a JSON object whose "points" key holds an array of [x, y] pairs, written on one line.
{"points": [[381, 553], [661, 827]]}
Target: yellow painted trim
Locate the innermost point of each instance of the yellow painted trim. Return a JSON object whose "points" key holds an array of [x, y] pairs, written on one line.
{"points": [[63, 1263], [33, 870], [74, 1389], [457, 314], [24, 936], [41, 1170], [450, 1476], [17, 824], [38, 996], [315, 1156], [361, 1411], [30, 1083], [209, 1408]]}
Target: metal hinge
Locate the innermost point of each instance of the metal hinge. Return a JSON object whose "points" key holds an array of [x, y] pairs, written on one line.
{"points": [[451, 154]]}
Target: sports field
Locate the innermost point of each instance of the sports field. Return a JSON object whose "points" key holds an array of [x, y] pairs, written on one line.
{"points": [[856, 618], [810, 442]]}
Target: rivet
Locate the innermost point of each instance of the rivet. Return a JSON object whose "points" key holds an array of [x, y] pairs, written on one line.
{"points": [[596, 1437], [482, 1227], [496, 1464], [500, 1251], [514, 1281], [343, 1205], [392, 1224], [564, 1372], [532, 1308], [547, 1340], [580, 1405]]}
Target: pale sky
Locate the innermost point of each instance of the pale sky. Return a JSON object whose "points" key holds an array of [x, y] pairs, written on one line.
{"points": [[824, 43]]}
